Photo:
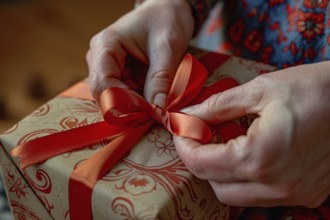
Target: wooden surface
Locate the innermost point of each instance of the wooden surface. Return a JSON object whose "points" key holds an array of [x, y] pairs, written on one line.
{"points": [[46, 40]]}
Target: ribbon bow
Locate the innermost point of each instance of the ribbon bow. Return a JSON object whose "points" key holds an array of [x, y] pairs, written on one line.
{"points": [[127, 116]]}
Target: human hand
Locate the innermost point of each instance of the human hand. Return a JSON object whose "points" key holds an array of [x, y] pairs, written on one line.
{"points": [[156, 33], [284, 159]]}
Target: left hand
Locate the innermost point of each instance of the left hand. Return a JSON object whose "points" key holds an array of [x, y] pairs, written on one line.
{"points": [[155, 34], [284, 159]]}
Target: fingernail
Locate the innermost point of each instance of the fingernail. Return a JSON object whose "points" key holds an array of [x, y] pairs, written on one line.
{"points": [[160, 99]]}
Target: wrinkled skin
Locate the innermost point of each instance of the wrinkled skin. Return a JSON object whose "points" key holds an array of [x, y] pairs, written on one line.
{"points": [[285, 157], [156, 33]]}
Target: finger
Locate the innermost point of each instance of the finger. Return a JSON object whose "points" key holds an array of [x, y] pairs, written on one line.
{"points": [[217, 162], [252, 157], [164, 59], [167, 41], [230, 104], [249, 194], [105, 61], [107, 57]]}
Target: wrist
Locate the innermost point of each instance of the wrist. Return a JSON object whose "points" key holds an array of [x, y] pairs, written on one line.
{"points": [[181, 6]]}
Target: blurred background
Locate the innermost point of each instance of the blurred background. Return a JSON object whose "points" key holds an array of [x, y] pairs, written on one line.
{"points": [[42, 52], [42, 48]]}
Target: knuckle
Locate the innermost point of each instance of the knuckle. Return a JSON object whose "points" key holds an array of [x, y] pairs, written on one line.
{"points": [[261, 166], [289, 192], [218, 100], [173, 39], [261, 80], [105, 40], [161, 81], [97, 83], [259, 171], [224, 198], [227, 197], [255, 90], [213, 104], [94, 40], [163, 75], [193, 163]]}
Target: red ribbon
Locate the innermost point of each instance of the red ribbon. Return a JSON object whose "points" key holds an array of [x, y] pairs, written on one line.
{"points": [[127, 116]]}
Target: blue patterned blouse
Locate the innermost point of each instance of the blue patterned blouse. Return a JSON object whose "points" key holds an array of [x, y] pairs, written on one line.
{"points": [[279, 32]]}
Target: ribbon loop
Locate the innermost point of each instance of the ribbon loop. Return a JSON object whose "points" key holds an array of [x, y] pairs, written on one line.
{"points": [[127, 116], [123, 106]]}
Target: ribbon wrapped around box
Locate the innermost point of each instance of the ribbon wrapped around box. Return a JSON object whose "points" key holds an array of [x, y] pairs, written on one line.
{"points": [[127, 120]]}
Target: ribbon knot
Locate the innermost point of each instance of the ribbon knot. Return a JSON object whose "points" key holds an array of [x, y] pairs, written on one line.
{"points": [[126, 108], [127, 116]]}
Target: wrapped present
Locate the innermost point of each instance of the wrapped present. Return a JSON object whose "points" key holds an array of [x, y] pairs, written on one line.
{"points": [[75, 159]]}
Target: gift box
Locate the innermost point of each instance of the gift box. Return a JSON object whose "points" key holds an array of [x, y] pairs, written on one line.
{"points": [[149, 181]]}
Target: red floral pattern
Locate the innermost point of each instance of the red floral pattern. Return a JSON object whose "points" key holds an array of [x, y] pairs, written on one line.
{"points": [[125, 208], [163, 145], [21, 212], [316, 3], [253, 41], [310, 25], [17, 185], [271, 31]]}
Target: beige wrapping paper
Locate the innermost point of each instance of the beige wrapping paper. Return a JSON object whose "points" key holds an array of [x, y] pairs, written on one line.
{"points": [[151, 182]]}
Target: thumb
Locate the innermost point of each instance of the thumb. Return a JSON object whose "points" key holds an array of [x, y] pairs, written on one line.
{"points": [[163, 63], [230, 104]]}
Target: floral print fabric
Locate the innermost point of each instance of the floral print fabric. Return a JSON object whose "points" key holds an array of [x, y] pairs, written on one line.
{"points": [[278, 32]]}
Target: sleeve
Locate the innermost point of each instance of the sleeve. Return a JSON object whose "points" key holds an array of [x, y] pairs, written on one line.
{"points": [[200, 10]]}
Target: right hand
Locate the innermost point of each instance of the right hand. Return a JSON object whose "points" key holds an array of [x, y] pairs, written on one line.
{"points": [[284, 158], [156, 33]]}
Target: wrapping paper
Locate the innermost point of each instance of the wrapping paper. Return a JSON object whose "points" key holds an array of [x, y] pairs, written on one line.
{"points": [[150, 182]]}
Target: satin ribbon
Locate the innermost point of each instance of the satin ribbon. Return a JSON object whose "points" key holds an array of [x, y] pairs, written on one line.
{"points": [[127, 116]]}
